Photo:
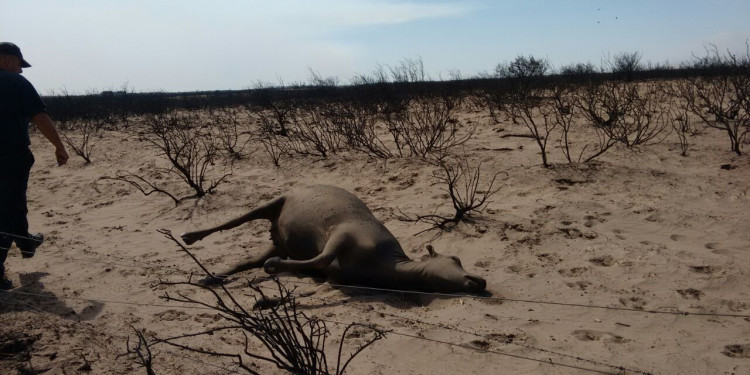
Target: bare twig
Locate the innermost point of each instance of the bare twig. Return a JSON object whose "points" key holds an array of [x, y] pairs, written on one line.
{"points": [[293, 341], [140, 351], [462, 184]]}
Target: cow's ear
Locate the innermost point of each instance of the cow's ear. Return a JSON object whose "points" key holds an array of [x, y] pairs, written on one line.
{"points": [[431, 251]]}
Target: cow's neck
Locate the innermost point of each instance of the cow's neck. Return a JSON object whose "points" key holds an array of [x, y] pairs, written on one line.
{"points": [[410, 275]]}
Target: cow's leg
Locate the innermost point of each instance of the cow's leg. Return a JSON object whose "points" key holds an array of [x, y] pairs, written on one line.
{"points": [[269, 211], [336, 243], [254, 262]]}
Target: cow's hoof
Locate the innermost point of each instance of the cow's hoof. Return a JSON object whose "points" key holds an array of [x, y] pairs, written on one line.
{"points": [[271, 266], [190, 238], [267, 303]]}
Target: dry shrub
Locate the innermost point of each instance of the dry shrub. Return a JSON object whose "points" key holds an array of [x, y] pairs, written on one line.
{"points": [[81, 143], [720, 100], [231, 128], [462, 183], [292, 340], [192, 151], [427, 126]]}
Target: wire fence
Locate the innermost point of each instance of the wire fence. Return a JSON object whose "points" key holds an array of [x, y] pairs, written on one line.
{"points": [[18, 236], [171, 271], [548, 361]]}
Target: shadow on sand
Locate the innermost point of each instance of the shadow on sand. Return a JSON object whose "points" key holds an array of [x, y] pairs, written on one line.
{"points": [[306, 286], [33, 297]]}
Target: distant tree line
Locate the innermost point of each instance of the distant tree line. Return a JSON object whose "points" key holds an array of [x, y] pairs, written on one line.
{"points": [[384, 84]]}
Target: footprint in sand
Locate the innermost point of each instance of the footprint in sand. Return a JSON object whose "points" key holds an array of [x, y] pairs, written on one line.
{"points": [[737, 351], [735, 306], [91, 311], [716, 248], [579, 285], [677, 237], [207, 318], [515, 268], [690, 293], [591, 220], [571, 232], [550, 258], [619, 234], [171, 315], [590, 335], [506, 338], [127, 272], [705, 270], [637, 303], [483, 264], [654, 218], [603, 261], [572, 272]]}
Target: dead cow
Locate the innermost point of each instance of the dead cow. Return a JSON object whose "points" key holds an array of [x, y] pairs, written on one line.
{"points": [[326, 228]]}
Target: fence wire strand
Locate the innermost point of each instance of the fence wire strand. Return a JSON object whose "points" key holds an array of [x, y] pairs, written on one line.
{"points": [[294, 281], [444, 295]]}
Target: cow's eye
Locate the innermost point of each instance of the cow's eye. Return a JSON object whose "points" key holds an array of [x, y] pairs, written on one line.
{"points": [[455, 259]]}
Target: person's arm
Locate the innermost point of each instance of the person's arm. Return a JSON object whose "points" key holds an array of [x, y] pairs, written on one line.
{"points": [[44, 124]]}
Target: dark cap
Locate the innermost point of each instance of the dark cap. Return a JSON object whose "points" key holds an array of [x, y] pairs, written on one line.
{"points": [[7, 48]]}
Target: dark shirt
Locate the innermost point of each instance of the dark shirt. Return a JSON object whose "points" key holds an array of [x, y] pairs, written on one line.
{"points": [[19, 102]]}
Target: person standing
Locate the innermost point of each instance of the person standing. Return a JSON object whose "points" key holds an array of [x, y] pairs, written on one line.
{"points": [[19, 104]]}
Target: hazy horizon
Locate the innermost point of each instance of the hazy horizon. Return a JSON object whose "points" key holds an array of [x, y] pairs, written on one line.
{"points": [[195, 45]]}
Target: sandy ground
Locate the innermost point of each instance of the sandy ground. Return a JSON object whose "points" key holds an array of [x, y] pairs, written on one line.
{"points": [[588, 265]]}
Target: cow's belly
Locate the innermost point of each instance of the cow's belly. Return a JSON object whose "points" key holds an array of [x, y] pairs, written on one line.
{"points": [[301, 241], [309, 215]]}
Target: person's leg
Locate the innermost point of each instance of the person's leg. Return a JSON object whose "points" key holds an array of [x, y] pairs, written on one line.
{"points": [[19, 222], [5, 283], [4, 247], [8, 193]]}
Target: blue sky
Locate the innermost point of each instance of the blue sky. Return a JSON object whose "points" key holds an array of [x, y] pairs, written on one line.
{"points": [[187, 45]]}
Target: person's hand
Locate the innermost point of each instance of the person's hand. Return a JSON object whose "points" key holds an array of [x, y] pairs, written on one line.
{"points": [[61, 155]]}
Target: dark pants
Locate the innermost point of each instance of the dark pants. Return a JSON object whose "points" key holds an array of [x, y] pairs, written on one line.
{"points": [[14, 179]]}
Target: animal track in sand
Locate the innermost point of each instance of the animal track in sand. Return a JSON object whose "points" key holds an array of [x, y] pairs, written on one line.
{"points": [[633, 302], [91, 311], [590, 335], [483, 264], [573, 272], [580, 285], [127, 272], [206, 318], [591, 220], [690, 293], [677, 237], [497, 338], [172, 315], [603, 261], [737, 351], [734, 306], [506, 338], [515, 268], [619, 234], [705, 270], [551, 258], [572, 233], [716, 248]]}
